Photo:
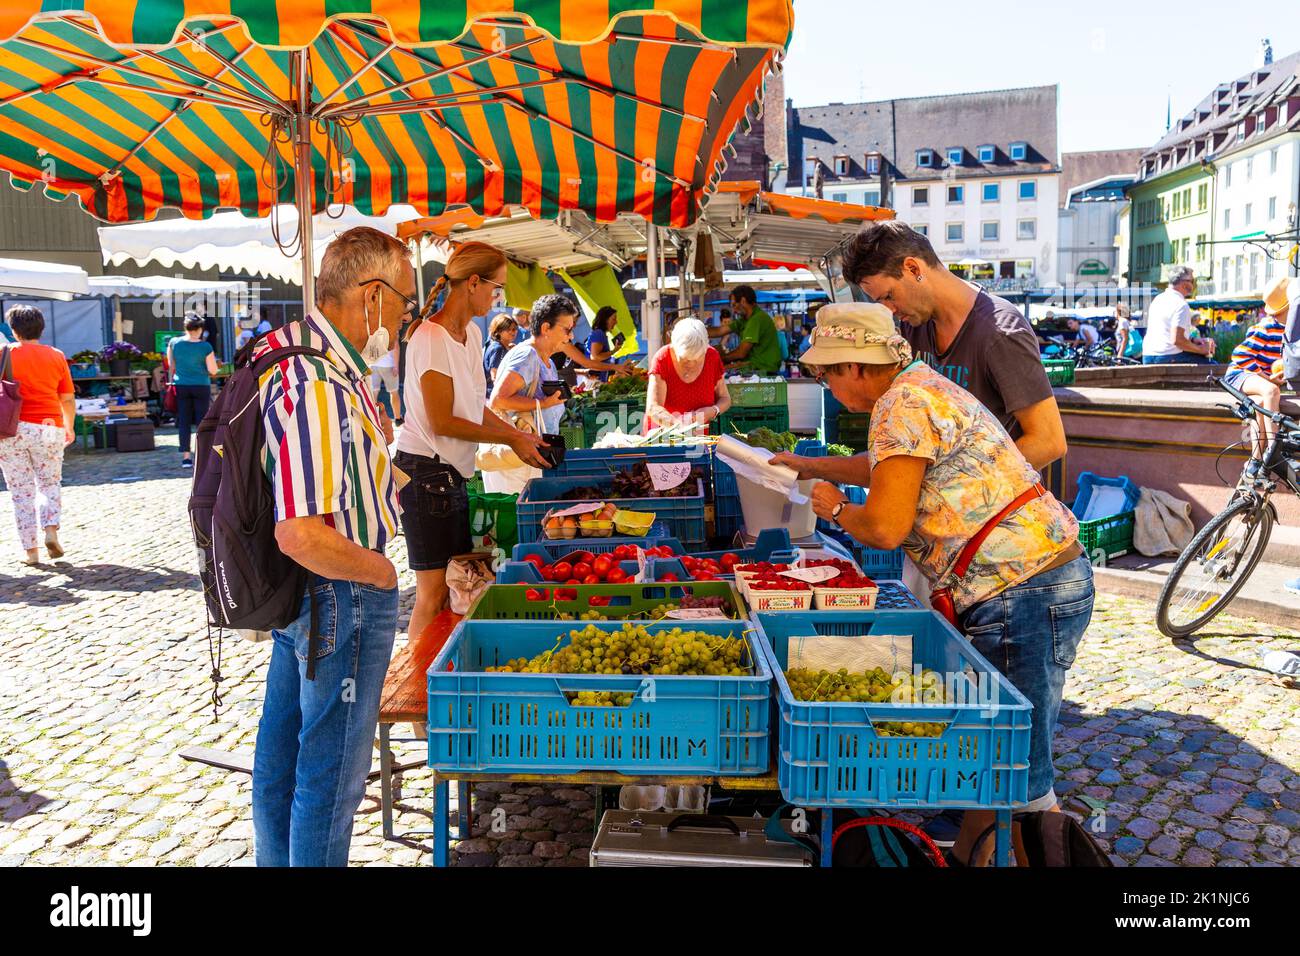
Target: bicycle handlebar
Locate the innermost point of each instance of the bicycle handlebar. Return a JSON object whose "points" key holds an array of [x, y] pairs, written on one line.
{"points": [[1277, 418]]}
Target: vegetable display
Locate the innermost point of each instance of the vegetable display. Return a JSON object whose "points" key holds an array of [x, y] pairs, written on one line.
{"points": [[634, 483], [773, 441]]}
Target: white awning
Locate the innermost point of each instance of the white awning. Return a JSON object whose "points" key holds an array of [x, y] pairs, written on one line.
{"points": [[764, 278], [150, 286], [49, 280], [232, 242]]}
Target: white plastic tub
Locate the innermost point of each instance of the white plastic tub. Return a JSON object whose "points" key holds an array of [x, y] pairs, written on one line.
{"points": [[764, 508]]}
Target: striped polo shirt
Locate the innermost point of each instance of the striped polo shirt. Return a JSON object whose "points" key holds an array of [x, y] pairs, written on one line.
{"points": [[325, 452], [1261, 347]]}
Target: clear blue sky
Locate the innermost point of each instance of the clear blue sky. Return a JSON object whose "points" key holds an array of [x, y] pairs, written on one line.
{"points": [[1115, 62]]}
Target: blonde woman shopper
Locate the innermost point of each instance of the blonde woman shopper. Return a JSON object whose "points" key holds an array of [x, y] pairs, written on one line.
{"points": [[446, 419]]}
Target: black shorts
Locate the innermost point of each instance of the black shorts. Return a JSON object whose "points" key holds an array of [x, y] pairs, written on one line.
{"points": [[435, 512]]}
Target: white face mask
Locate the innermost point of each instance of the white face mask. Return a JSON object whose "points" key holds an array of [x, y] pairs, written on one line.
{"points": [[377, 344]]}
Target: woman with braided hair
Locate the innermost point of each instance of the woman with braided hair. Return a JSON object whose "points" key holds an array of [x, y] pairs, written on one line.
{"points": [[446, 419]]}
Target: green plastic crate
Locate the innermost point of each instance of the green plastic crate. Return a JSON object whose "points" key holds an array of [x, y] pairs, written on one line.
{"points": [[853, 428], [747, 419], [1059, 371], [508, 602], [758, 394], [607, 416], [1112, 535], [574, 438]]}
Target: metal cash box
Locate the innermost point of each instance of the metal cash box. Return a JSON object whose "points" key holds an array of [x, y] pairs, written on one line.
{"points": [[636, 838]]}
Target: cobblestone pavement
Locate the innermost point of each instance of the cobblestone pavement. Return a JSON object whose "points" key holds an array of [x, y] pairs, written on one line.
{"points": [[1189, 750]]}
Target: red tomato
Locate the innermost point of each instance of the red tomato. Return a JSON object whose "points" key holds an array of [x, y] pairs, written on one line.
{"points": [[573, 581], [622, 552], [670, 577], [563, 570], [602, 565], [532, 594], [616, 576], [547, 571], [536, 560], [705, 576], [598, 600], [582, 569], [729, 560], [590, 579]]}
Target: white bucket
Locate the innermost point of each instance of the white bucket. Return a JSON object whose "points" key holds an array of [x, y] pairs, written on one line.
{"points": [[765, 508]]}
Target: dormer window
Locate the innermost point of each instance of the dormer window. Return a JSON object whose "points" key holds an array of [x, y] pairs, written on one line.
{"points": [[925, 158], [1019, 152], [956, 155], [988, 153], [841, 165], [872, 164]]}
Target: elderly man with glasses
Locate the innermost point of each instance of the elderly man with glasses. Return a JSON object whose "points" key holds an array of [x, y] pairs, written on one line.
{"points": [[336, 509]]}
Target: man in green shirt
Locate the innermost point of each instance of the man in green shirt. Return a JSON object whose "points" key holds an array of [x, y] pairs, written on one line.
{"points": [[759, 347]]}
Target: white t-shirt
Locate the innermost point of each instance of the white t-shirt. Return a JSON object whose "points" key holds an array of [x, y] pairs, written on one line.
{"points": [[1088, 332], [1167, 313], [433, 349]]}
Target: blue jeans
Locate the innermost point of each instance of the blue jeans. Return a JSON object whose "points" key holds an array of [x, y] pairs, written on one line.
{"points": [[1182, 358], [1030, 633], [315, 739]]}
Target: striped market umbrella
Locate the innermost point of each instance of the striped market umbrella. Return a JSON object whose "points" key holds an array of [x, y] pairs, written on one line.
{"points": [[136, 105]]}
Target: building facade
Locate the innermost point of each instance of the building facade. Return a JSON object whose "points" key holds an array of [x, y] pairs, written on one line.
{"points": [[978, 173], [1092, 197], [1219, 191]]}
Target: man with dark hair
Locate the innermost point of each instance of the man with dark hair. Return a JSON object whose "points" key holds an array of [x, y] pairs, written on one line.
{"points": [[759, 348], [977, 340]]}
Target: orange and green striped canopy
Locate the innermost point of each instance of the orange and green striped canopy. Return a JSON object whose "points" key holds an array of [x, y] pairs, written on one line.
{"points": [[605, 107]]}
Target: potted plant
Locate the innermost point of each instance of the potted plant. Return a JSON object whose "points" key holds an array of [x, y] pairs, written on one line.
{"points": [[85, 364], [147, 362], [119, 356]]}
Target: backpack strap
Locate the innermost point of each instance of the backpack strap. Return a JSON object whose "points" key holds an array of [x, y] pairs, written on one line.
{"points": [[927, 844], [259, 367]]}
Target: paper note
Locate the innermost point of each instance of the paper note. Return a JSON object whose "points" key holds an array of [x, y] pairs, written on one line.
{"points": [[855, 653], [642, 569], [587, 507], [697, 614], [400, 478], [815, 575], [665, 475]]}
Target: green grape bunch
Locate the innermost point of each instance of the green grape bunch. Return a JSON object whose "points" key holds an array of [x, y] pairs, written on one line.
{"points": [[632, 649], [875, 686]]}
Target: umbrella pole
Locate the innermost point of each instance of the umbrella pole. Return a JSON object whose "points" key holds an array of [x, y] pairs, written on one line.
{"points": [[303, 178], [651, 327]]}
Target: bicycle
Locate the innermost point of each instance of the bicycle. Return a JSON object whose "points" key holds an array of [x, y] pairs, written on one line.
{"points": [[1224, 553]]}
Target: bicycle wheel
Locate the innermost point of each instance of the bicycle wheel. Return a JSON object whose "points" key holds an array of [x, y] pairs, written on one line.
{"points": [[1214, 566]]}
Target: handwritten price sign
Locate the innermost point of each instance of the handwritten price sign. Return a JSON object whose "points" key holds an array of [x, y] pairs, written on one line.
{"points": [[665, 476]]}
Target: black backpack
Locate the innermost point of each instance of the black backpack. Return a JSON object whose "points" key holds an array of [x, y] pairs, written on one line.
{"points": [[248, 582], [1054, 839]]}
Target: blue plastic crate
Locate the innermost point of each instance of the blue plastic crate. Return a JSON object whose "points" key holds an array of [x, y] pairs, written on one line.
{"points": [[895, 596], [682, 518], [830, 753], [598, 462], [772, 544], [552, 550], [675, 724], [1089, 481]]}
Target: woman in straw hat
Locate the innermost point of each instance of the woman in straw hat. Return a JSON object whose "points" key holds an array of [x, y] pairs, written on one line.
{"points": [[949, 485]]}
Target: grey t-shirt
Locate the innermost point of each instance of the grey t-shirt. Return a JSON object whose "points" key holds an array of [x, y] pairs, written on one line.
{"points": [[994, 357]]}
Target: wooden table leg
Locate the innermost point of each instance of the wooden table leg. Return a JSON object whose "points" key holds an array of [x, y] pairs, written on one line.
{"points": [[441, 797]]}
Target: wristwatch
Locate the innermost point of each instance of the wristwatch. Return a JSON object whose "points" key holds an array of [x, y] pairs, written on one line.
{"points": [[835, 512]]}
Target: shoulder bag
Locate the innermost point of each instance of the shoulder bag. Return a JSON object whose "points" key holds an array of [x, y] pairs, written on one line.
{"points": [[11, 398]]}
